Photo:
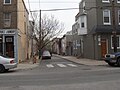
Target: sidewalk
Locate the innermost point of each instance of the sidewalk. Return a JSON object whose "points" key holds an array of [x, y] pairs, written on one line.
{"points": [[83, 60], [26, 66]]}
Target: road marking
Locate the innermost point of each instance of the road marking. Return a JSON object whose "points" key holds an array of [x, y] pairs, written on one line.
{"points": [[49, 65], [72, 65], [61, 65]]}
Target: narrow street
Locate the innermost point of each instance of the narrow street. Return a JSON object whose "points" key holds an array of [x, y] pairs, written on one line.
{"points": [[60, 74]]}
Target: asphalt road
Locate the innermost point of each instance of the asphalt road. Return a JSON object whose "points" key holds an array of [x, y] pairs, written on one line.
{"points": [[60, 74]]}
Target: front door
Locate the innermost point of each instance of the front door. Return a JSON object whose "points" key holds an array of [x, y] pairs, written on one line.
{"points": [[9, 41], [103, 47]]}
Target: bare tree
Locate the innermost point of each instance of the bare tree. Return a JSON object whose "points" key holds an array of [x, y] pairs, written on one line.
{"points": [[50, 28]]}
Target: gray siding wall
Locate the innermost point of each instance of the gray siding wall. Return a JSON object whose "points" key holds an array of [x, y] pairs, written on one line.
{"points": [[88, 46], [102, 6], [88, 40]]}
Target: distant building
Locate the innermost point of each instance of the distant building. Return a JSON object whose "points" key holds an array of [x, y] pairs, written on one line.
{"points": [[56, 46], [13, 29]]}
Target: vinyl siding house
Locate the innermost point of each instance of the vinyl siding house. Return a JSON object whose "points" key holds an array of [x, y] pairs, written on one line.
{"points": [[13, 29], [96, 27]]}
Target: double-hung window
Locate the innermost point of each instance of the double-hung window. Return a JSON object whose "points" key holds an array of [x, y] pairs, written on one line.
{"points": [[7, 1], [118, 41], [106, 17], [7, 19]]}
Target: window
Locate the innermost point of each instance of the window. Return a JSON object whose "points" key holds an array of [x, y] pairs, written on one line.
{"points": [[119, 17], [118, 42], [7, 19], [118, 1], [9, 39], [106, 17], [106, 1], [7, 1], [82, 22]]}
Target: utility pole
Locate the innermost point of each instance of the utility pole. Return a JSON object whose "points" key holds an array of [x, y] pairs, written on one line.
{"points": [[114, 27], [40, 37], [33, 23]]}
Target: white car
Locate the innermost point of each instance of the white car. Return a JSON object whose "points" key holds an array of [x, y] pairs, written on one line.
{"points": [[6, 63], [46, 55]]}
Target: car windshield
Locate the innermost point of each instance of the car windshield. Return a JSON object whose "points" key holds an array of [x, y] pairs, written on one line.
{"points": [[46, 53]]}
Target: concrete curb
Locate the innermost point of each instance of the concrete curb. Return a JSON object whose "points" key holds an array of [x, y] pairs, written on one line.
{"points": [[83, 61]]}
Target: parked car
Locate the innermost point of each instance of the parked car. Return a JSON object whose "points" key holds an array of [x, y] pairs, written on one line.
{"points": [[46, 55], [113, 59], [6, 63]]}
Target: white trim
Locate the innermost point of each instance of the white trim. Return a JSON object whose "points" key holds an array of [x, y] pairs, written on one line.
{"points": [[109, 23], [7, 3]]}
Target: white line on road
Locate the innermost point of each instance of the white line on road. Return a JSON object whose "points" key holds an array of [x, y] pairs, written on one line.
{"points": [[72, 65], [49, 65], [61, 65]]}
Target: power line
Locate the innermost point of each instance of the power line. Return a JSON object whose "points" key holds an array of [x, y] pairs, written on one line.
{"points": [[56, 9], [53, 2]]}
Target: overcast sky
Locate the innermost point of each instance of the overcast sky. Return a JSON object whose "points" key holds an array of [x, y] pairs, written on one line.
{"points": [[65, 16]]}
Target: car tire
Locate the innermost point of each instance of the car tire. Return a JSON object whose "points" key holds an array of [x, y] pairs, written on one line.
{"points": [[6, 70], [118, 62], [2, 69], [111, 64]]}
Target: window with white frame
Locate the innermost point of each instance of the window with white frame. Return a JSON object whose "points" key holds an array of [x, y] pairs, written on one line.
{"points": [[106, 1], [7, 1], [7, 19], [118, 41], [106, 17], [82, 22], [119, 17], [118, 1]]}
